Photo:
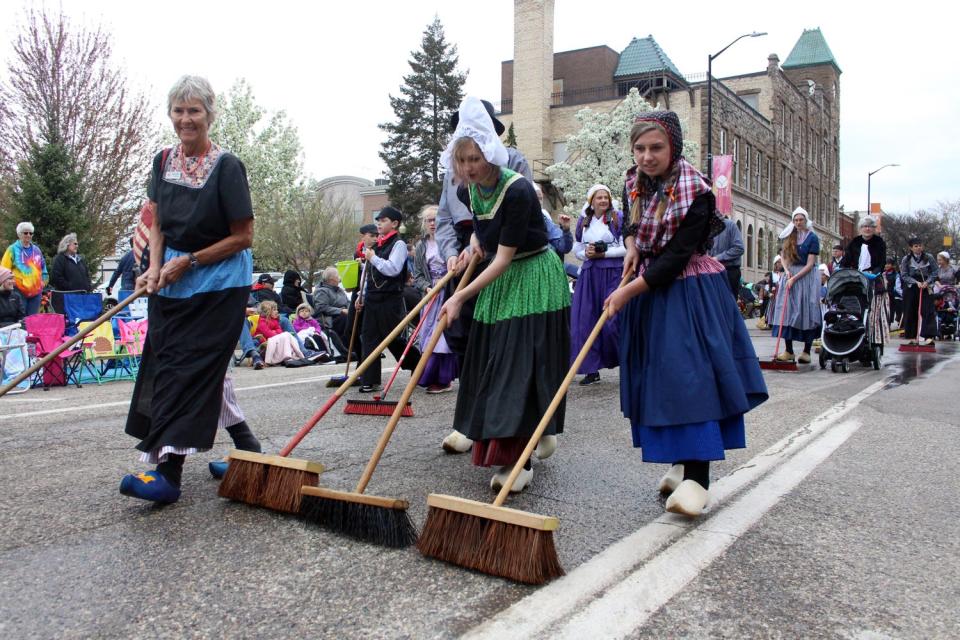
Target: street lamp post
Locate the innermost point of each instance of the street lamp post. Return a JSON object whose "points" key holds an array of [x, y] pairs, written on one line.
{"points": [[870, 175], [710, 58]]}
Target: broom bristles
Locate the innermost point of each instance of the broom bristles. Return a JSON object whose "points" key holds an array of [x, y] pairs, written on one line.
{"points": [[371, 523], [376, 408], [282, 490], [244, 481], [522, 554]]}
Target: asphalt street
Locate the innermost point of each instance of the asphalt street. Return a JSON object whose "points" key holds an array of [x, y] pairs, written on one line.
{"points": [[837, 520]]}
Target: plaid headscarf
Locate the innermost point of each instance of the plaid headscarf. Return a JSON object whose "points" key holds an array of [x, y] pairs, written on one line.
{"points": [[681, 186]]}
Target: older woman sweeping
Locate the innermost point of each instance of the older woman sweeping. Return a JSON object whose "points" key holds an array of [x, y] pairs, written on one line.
{"points": [[198, 282]]}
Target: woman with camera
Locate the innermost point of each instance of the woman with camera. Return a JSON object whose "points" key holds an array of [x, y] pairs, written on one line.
{"points": [[600, 247]]}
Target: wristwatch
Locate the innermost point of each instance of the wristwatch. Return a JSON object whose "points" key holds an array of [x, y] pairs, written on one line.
{"points": [[194, 263]]}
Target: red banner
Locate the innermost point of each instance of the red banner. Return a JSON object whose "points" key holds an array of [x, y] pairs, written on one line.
{"points": [[722, 185]]}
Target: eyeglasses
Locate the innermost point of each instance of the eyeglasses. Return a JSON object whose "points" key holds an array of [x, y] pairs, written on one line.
{"points": [[26, 233]]}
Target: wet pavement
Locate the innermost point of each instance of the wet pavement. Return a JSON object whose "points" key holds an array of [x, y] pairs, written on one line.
{"points": [[862, 546]]}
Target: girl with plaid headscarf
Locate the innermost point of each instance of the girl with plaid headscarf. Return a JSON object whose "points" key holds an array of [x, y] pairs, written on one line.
{"points": [[688, 372]]}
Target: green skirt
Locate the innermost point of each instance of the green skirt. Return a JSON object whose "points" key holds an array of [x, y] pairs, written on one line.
{"points": [[517, 355]]}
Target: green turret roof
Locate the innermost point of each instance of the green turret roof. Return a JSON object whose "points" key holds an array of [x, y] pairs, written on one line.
{"points": [[811, 49], [644, 55]]}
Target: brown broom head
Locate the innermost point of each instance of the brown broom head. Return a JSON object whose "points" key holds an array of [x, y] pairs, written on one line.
{"points": [[376, 408], [498, 541], [773, 365], [265, 480], [382, 521], [917, 348]]}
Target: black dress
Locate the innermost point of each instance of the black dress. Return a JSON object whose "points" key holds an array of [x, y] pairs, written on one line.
{"points": [[194, 323]]}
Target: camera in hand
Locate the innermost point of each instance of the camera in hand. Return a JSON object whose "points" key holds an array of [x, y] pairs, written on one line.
{"points": [[600, 247]]}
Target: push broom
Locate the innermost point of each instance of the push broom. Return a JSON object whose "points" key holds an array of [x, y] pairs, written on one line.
{"points": [[274, 481], [919, 348], [379, 406], [42, 362], [494, 539], [773, 364], [339, 380], [357, 514]]}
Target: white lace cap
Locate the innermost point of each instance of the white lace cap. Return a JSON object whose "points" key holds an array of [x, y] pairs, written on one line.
{"points": [[789, 228], [475, 123]]}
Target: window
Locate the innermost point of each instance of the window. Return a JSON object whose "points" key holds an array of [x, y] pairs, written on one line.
{"points": [[761, 248], [783, 121], [557, 96], [560, 153], [789, 202], [736, 160], [782, 186], [757, 165], [752, 99], [746, 169], [771, 249], [723, 141], [769, 179], [749, 246]]}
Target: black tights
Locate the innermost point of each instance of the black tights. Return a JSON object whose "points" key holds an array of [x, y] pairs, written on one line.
{"points": [[696, 470], [807, 346], [172, 468]]}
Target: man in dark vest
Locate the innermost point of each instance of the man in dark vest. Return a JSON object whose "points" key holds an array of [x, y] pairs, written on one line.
{"points": [[383, 298]]}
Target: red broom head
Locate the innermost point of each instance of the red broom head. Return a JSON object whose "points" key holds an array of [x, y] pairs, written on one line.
{"points": [[376, 408]]}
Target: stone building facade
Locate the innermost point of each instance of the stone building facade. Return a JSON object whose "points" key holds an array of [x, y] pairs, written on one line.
{"points": [[780, 124]]}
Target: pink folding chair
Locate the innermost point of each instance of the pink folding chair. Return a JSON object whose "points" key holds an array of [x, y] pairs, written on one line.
{"points": [[46, 332], [133, 333]]}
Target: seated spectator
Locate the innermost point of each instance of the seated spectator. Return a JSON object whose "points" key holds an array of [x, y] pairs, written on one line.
{"points": [[292, 294], [13, 308], [331, 303], [281, 345], [263, 290]]}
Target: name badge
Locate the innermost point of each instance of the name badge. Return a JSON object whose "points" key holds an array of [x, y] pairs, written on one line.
{"points": [[173, 175]]}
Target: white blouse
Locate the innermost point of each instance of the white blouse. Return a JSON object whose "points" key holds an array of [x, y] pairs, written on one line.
{"points": [[595, 230]]}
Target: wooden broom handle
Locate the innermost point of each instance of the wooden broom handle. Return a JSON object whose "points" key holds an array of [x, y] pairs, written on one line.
{"points": [[555, 403], [406, 349], [36, 366], [356, 316], [373, 357], [783, 312], [408, 391]]}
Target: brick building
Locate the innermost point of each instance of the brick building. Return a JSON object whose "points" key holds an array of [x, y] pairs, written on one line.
{"points": [[781, 124]]}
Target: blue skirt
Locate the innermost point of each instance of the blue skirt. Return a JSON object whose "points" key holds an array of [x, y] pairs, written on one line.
{"points": [[688, 370]]}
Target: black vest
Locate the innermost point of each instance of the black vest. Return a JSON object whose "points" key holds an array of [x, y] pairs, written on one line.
{"points": [[380, 286]]}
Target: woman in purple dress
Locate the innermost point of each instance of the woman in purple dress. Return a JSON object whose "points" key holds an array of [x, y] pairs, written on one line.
{"points": [[600, 247]]}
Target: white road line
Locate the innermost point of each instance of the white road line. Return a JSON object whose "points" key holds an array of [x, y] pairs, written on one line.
{"points": [[629, 605], [557, 600], [126, 403]]}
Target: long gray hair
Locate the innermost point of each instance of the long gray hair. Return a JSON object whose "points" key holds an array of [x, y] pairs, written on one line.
{"points": [[66, 241]]}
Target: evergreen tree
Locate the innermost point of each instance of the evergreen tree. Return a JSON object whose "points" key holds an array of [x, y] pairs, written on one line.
{"points": [[511, 137], [50, 195], [429, 95]]}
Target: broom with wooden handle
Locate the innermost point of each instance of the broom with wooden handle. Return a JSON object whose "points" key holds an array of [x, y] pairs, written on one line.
{"points": [[374, 518], [274, 481], [495, 539], [39, 364]]}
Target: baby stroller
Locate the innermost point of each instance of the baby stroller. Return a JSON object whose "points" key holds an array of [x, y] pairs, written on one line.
{"points": [[846, 334], [947, 304]]}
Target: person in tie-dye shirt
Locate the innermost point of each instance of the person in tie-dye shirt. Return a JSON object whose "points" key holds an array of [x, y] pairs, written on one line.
{"points": [[29, 268]]}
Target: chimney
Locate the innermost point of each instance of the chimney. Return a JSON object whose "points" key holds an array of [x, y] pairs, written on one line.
{"points": [[533, 79]]}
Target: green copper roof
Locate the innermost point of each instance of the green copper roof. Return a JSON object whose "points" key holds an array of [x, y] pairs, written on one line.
{"points": [[811, 49], [644, 55]]}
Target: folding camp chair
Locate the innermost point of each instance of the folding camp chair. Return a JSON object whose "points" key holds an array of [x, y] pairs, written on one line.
{"points": [[101, 354], [133, 334], [14, 356], [81, 307], [46, 332]]}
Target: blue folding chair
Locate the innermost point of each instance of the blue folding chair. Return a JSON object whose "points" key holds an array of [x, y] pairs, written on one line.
{"points": [[81, 307]]}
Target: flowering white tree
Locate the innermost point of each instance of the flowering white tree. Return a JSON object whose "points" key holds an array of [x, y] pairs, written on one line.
{"points": [[599, 152]]}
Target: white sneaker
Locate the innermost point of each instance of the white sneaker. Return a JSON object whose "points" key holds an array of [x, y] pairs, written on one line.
{"points": [[671, 479], [546, 447], [500, 478], [456, 442], [688, 499]]}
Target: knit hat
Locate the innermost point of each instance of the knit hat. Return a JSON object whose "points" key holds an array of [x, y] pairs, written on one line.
{"points": [[671, 124], [5, 274]]}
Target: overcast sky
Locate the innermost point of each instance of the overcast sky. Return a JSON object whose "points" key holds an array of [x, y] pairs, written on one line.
{"points": [[331, 66]]}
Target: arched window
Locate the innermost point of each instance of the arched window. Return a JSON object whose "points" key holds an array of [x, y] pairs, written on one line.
{"points": [[739, 227], [771, 250], [761, 248], [750, 246]]}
